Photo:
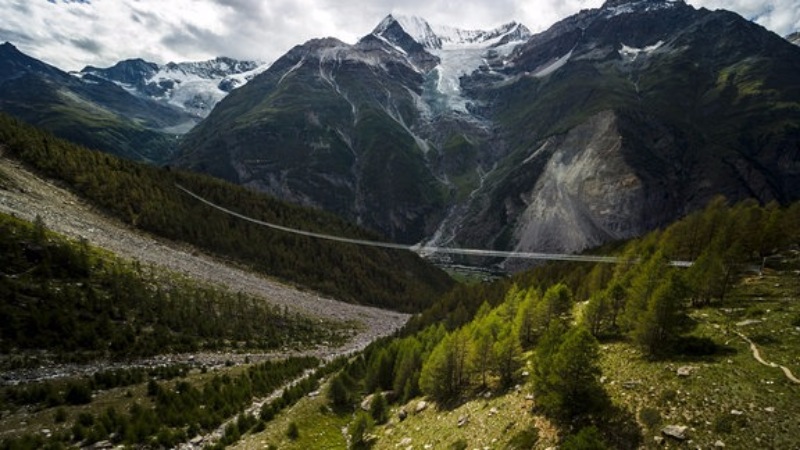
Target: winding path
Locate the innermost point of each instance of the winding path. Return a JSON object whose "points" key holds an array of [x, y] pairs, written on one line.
{"points": [[757, 356]]}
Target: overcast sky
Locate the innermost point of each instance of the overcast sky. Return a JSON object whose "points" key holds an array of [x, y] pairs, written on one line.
{"points": [[71, 34]]}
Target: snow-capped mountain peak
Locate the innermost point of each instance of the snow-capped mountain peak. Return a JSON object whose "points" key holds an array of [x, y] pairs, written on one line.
{"points": [[219, 67], [456, 37], [455, 52], [195, 87], [436, 37], [415, 27]]}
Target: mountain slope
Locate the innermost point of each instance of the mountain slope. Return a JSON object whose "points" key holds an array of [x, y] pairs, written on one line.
{"points": [[624, 118], [27, 195], [146, 197], [91, 111], [348, 127], [612, 122]]}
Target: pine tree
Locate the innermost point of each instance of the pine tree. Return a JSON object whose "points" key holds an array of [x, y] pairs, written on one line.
{"points": [[525, 320], [662, 320], [359, 429], [339, 395], [508, 356], [566, 381], [378, 408], [444, 372], [596, 312]]}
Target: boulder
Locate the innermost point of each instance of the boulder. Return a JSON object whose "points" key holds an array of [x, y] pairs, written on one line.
{"points": [[422, 405], [367, 402], [675, 432], [685, 371], [719, 444], [463, 420], [402, 414]]}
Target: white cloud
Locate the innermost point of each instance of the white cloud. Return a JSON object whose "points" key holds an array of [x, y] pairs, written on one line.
{"points": [[780, 16], [73, 34]]}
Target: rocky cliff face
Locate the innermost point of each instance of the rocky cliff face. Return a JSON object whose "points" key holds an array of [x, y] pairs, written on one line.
{"points": [[622, 119], [610, 123]]}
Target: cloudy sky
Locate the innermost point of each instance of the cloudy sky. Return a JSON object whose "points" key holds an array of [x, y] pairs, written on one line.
{"points": [[74, 33]]}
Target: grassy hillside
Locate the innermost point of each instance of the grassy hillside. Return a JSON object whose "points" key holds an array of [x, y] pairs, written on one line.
{"points": [[146, 197], [591, 356], [330, 132]]}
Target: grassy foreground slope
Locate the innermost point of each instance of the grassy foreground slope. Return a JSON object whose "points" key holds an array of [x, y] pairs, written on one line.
{"points": [[592, 356], [146, 197]]}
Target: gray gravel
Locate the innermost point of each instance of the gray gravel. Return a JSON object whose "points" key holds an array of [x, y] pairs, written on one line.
{"points": [[65, 213]]}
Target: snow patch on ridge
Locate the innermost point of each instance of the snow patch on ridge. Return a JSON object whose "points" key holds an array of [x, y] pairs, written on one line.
{"points": [[291, 69], [639, 6], [392, 45], [552, 67], [631, 53]]}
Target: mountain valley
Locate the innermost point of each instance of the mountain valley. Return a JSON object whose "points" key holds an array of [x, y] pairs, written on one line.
{"points": [[612, 122], [318, 252]]}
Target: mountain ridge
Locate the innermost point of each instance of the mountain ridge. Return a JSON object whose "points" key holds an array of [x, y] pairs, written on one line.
{"points": [[194, 87], [135, 108], [93, 112], [677, 138]]}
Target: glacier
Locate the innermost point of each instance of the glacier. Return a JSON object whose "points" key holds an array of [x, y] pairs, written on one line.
{"points": [[460, 52]]}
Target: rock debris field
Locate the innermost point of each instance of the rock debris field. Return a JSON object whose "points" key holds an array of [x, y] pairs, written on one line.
{"points": [[63, 212]]}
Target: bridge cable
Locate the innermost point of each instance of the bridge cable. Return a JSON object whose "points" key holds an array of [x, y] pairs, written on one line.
{"points": [[425, 250]]}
